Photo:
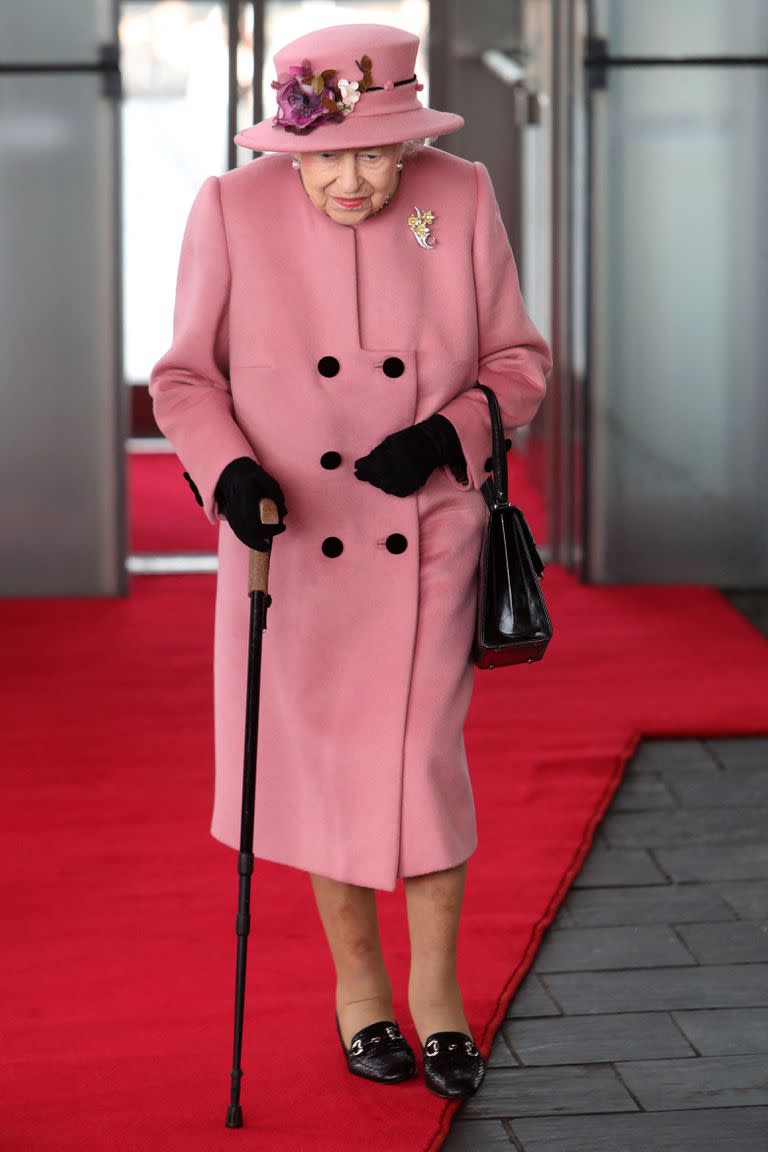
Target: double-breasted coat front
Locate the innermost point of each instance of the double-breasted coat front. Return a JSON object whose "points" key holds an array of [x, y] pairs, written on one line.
{"points": [[302, 343]]}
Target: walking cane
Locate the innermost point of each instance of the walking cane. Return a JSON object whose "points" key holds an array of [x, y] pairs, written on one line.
{"points": [[258, 575]]}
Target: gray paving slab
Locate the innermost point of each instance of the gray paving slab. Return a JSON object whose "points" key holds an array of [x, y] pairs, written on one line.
{"points": [[642, 793], [705, 1082], [670, 904], [726, 1031], [548, 1092], [500, 1055], [752, 605], [729, 862], [674, 891], [740, 943], [748, 898], [656, 755], [531, 999], [683, 826], [592, 949], [473, 1135], [661, 989], [563, 919], [713, 786], [593, 1039], [746, 752], [708, 1130], [618, 867]]}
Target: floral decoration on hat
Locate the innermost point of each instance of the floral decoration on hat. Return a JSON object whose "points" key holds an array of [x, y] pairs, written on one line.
{"points": [[305, 100]]}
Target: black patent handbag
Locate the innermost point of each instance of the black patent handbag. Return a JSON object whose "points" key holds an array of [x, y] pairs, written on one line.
{"points": [[513, 625]]}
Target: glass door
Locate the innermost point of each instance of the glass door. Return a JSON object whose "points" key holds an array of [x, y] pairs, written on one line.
{"points": [[59, 292], [175, 99], [677, 468]]}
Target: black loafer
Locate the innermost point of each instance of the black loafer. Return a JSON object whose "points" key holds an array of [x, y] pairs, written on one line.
{"points": [[452, 1064], [379, 1052]]}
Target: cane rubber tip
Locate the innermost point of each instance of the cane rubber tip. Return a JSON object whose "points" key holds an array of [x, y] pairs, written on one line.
{"points": [[235, 1116]]}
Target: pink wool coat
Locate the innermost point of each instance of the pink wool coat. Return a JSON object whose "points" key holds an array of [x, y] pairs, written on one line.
{"points": [[302, 343]]}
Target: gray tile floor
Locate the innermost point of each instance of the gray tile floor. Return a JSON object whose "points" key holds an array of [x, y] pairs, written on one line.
{"points": [[643, 1023]]}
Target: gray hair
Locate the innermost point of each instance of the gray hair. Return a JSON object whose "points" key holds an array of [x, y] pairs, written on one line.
{"points": [[413, 147]]}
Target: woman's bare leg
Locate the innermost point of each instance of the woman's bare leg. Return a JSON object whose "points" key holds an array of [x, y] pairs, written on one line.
{"points": [[349, 917], [434, 908]]}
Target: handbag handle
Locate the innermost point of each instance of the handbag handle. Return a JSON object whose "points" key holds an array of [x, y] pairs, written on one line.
{"points": [[498, 449], [495, 488]]}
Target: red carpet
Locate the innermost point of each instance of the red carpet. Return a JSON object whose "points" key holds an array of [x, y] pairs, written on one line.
{"points": [[163, 514], [118, 959]]}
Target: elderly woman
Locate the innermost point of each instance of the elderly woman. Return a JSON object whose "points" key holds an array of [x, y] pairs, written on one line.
{"points": [[336, 302]]}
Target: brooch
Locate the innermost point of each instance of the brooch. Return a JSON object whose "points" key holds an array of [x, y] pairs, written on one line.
{"points": [[419, 225]]}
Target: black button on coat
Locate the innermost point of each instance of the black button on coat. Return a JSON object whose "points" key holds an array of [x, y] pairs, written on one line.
{"points": [[396, 542]]}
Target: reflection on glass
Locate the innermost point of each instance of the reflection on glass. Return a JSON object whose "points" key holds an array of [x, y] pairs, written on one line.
{"points": [[679, 329], [685, 27], [174, 65]]}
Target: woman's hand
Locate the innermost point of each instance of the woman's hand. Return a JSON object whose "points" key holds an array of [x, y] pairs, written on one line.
{"points": [[241, 486], [404, 460]]}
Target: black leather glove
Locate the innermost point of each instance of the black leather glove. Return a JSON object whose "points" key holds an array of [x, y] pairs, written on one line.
{"points": [[405, 459], [238, 491]]}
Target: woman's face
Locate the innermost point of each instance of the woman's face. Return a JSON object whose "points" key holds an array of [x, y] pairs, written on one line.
{"points": [[350, 184]]}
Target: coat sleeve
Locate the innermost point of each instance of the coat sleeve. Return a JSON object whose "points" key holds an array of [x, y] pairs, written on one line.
{"points": [[513, 356], [189, 385]]}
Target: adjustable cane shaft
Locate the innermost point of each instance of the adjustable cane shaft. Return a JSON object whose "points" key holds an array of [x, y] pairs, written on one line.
{"points": [[258, 574], [243, 928]]}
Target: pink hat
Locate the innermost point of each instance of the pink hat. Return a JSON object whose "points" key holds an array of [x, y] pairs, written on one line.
{"points": [[348, 86]]}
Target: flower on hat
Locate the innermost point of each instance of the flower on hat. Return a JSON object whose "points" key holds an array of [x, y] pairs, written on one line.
{"points": [[302, 96], [305, 100], [349, 95]]}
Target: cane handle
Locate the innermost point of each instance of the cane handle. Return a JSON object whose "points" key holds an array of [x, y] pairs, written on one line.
{"points": [[258, 562]]}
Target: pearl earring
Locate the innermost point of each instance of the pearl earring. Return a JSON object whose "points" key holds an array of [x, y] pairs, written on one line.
{"points": [[295, 163], [399, 165]]}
